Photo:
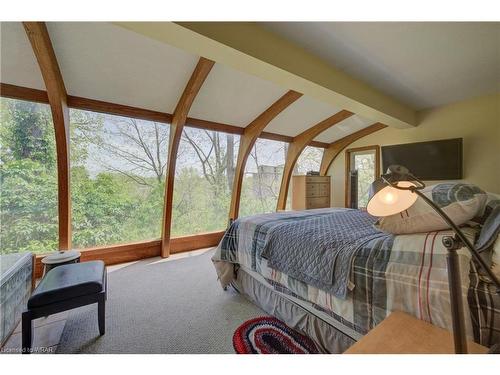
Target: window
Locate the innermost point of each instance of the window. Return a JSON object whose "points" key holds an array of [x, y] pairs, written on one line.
{"points": [[28, 178], [262, 178], [118, 167], [203, 181], [362, 168], [309, 160]]}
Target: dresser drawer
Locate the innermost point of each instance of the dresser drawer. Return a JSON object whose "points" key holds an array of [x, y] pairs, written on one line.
{"points": [[312, 190], [320, 202], [324, 189], [318, 179]]}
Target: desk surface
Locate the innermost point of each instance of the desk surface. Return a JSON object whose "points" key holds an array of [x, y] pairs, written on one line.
{"points": [[401, 333]]}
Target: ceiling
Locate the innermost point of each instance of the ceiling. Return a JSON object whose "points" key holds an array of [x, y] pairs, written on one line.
{"points": [[106, 62], [421, 64]]}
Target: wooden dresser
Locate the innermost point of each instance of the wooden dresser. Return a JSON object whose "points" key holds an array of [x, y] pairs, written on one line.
{"points": [[310, 192]]}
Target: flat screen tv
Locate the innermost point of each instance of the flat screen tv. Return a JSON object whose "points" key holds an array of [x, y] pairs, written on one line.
{"points": [[434, 160]]}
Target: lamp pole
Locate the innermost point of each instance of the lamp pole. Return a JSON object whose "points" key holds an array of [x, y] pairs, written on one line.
{"points": [[452, 244]]}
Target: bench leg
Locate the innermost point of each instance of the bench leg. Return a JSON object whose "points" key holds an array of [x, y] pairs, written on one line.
{"points": [[101, 312], [27, 332]]}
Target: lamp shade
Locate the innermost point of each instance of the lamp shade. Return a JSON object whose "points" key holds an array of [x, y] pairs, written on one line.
{"points": [[385, 200]]}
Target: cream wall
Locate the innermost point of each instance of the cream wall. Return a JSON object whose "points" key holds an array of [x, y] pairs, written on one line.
{"points": [[477, 121]]}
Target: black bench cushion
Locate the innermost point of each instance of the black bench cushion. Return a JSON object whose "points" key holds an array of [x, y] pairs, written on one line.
{"points": [[69, 281]]}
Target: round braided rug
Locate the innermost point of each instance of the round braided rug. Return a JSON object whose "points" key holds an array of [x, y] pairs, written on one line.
{"points": [[268, 335]]}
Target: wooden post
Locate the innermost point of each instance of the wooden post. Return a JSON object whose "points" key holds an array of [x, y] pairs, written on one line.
{"points": [[297, 146], [58, 99], [247, 141], [193, 86], [336, 147]]}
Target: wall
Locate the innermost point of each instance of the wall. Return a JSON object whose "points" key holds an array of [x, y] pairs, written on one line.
{"points": [[477, 121]]}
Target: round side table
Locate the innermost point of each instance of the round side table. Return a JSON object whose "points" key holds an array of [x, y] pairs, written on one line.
{"points": [[59, 258]]}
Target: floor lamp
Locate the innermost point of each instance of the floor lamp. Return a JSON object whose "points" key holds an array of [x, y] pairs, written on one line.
{"points": [[398, 190]]}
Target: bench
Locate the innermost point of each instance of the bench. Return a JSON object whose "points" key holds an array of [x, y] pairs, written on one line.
{"points": [[63, 288]]}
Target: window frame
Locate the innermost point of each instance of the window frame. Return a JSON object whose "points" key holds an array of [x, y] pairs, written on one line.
{"points": [[347, 155]]}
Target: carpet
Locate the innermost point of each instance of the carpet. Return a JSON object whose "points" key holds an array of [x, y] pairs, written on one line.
{"points": [[158, 306], [268, 335]]}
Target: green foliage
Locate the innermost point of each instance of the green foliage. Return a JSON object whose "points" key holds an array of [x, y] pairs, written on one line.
{"points": [[117, 180]]}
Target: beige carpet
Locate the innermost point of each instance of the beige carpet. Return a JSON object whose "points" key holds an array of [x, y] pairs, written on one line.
{"points": [[158, 306]]}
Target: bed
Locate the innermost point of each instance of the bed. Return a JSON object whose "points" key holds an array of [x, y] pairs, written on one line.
{"points": [[336, 284]]}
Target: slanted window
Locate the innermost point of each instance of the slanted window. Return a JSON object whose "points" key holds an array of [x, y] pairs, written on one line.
{"points": [[203, 181], [28, 178], [118, 167], [262, 179], [309, 160]]}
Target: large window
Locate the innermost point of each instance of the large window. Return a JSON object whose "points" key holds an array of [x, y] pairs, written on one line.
{"points": [[309, 160], [28, 178], [203, 181], [118, 167], [262, 179]]}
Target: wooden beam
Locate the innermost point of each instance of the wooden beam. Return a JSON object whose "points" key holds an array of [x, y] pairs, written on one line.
{"points": [[251, 48], [77, 102], [58, 99], [179, 118], [298, 145], [247, 141], [117, 109], [116, 254], [23, 93], [336, 147]]}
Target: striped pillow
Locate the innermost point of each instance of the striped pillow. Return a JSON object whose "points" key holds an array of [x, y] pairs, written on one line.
{"points": [[461, 202]]}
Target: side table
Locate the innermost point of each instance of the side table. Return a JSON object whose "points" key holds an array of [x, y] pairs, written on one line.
{"points": [[59, 258]]}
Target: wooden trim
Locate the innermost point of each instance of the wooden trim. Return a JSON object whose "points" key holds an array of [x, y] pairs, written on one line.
{"points": [[116, 254], [23, 93], [297, 146], [215, 126], [181, 244], [247, 141], [77, 102], [117, 109], [319, 144], [58, 99], [348, 152], [179, 118], [276, 137], [335, 148]]}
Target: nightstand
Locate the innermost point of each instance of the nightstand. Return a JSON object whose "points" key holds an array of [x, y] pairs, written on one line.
{"points": [[401, 333]]}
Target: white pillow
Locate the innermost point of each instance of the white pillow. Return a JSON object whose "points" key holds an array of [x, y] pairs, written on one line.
{"points": [[461, 202]]}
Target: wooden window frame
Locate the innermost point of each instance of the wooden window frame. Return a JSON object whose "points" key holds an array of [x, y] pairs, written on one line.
{"points": [[347, 154]]}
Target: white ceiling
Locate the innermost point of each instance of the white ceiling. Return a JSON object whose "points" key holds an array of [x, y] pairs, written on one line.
{"points": [[300, 116], [18, 64], [105, 62], [422, 64], [344, 128], [234, 98]]}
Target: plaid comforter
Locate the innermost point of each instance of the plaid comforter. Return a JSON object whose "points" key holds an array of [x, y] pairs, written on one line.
{"points": [[410, 275]]}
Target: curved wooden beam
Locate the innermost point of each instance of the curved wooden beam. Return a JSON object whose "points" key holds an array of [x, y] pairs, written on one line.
{"points": [[297, 146], [247, 141], [336, 147], [179, 117], [39, 38]]}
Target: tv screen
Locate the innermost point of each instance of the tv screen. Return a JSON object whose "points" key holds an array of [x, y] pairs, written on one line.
{"points": [[435, 160]]}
